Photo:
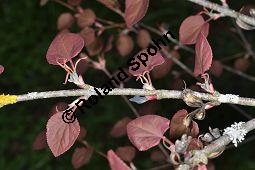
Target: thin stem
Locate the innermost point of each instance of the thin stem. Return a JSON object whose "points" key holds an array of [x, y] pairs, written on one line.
{"points": [[225, 11], [64, 4], [98, 152]]}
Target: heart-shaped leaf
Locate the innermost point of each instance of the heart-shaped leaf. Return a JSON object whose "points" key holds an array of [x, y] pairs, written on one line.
{"points": [[115, 162], [191, 27], [64, 47], [203, 60], [147, 131], [60, 135], [135, 11]]}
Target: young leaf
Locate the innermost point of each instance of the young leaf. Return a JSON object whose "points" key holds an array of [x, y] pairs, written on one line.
{"points": [[81, 156], [115, 162], [191, 27], [135, 11], [60, 135], [40, 141], [204, 55], [64, 47], [126, 153], [1, 69], [147, 131]]}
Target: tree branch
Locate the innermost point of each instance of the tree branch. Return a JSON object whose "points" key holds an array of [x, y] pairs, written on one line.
{"points": [[225, 11], [161, 94], [218, 145]]}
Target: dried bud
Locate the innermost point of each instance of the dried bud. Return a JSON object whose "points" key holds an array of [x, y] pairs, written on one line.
{"points": [[200, 114], [190, 99]]}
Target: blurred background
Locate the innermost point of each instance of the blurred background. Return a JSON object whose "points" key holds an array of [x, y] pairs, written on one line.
{"points": [[26, 31]]}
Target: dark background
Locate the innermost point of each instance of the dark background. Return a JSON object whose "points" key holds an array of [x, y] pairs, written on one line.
{"points": [[26, 30]]}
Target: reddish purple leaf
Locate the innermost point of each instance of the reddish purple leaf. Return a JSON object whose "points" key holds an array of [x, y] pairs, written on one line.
{"points": [[60, 135], [152, 62], [135, 11], [216, 68], [81, 156], [64, 47], [147, 131], [40, 141], [124, 44], [162, 70], [1, 69], [178, 125], [65, 21], [242, 64], [86, 18], [204, 55], [115, 162], [126, 153], [191, 27], [143, 38], [120, 128]]}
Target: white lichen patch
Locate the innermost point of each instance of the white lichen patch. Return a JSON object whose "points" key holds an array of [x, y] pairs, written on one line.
{"points": [[236, 133], [32, 95], [228, 98]]}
